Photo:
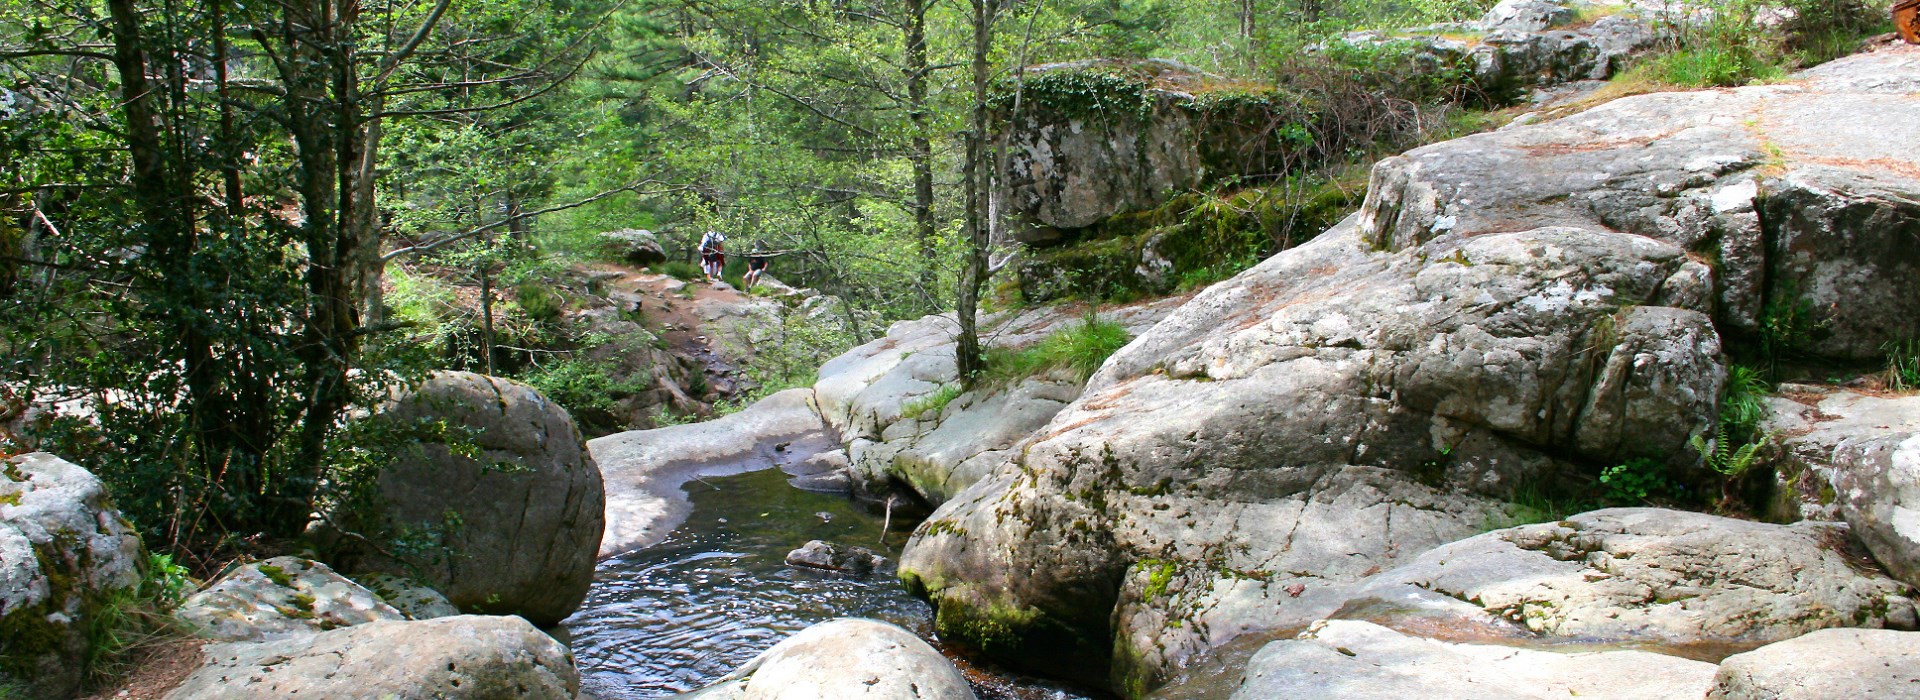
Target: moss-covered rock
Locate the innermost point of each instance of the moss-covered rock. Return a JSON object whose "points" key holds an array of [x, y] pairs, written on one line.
{"points": [[1187, 242], [64, 553]]}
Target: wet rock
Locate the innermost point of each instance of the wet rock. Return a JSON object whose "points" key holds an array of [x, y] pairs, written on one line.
{"points": [[413, 599], [1306, 424], [466, 656], [818, 554], [528, 508], [644, 469], [1662, 576], [1362, 661], [843, 660], [1837, 664], [63, 550], [1856, 457], [280, 597], [636, 246]]}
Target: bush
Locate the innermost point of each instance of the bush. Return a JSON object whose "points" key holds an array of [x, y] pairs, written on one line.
{"points": [[540, 302], [588, 390], [1083, 347], [932, 403], [1903, 365], [1635, 482]]}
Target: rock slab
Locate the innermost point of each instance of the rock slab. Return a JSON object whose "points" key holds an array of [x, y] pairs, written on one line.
{"points": [[1363, 661], [1838, 664], [467, 656], [280, 597]]}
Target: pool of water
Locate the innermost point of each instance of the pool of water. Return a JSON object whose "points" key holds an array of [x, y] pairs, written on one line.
{"points": [[675, 617]]}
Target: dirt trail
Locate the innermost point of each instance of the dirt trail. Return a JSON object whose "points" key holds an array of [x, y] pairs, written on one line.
{"points": [[669, 308]]}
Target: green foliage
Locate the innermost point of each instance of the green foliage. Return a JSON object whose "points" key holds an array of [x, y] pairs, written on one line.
{"points": [[1744, 407], [1731, 46], [588, 390], [1723, 457], [680, 270], [1903, 365], [1635, 482], [931, 404], [1789, 324], [126, 621], [540, 302], [1081, 347]]}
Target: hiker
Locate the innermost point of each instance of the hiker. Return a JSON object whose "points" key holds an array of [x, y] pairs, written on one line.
{"points": [[756, 264], [713, 255]]}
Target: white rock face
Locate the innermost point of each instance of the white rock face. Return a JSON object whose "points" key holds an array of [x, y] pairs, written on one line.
{"points": [[62, 547], [467, 656], [1650, 575], [1363, 661], [846, 659], [644, 469], [278, 598], [865, 394], [1825, 665]]}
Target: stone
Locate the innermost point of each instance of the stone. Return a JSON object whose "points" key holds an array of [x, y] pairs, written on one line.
{"points": [[414, 600], [1656, 576], [1855, 457], [636, 246], [1834, 664], [516, 524], [1789, 188], [1527, 15], [1306, 424], [278, 598], [63, 549], [818, 554], [1363, 661], [865, 395], [644, 469], [466, 656], [844, 659]]}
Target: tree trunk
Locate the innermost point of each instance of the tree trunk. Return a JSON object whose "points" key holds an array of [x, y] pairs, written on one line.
{"points": [[968, 358], [920, 148]]}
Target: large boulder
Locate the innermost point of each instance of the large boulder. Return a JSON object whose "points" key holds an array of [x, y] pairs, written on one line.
{"points": [[1310, 422], [844, 659], [1790, 190], [1838, 664], [1363, 661], [510, 503], [637, 246], [64, 551], [280, 597], [466, 656], [1856, 457], [1654, 576]]}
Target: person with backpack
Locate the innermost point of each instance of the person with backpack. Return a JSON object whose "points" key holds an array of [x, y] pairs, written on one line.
{"points": [[713, 255]]}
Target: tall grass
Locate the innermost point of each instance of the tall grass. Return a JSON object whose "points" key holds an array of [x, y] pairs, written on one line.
{"points": [[1081, 347]]}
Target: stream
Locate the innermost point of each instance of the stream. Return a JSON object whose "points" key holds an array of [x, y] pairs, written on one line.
{"points": [[677, 616]]}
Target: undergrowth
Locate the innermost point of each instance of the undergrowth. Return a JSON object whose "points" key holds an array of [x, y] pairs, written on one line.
{"points": [[1081, 347]]}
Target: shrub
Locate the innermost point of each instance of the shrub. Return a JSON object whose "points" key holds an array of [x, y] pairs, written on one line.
{"points": [[1635, 482], [1903, 365], [540, 302], [1083, 347], [932, 403], [678, 269], [1743, 408]]}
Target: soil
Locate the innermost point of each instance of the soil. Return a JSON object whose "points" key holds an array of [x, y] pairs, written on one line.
{"points": [[161, 669]]}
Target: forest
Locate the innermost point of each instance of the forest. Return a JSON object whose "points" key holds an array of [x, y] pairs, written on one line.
{"points": [[232, 230]]}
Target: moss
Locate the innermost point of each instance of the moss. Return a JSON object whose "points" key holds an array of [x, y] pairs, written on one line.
{"points": [[276, 574], [999, 630], [1159, 576]]}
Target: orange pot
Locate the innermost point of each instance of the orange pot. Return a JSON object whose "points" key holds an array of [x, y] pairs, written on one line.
{"points": [[1906, 18]]}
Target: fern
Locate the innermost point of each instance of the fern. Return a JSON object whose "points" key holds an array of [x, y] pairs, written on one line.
{"points": [[1723, 458]]}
